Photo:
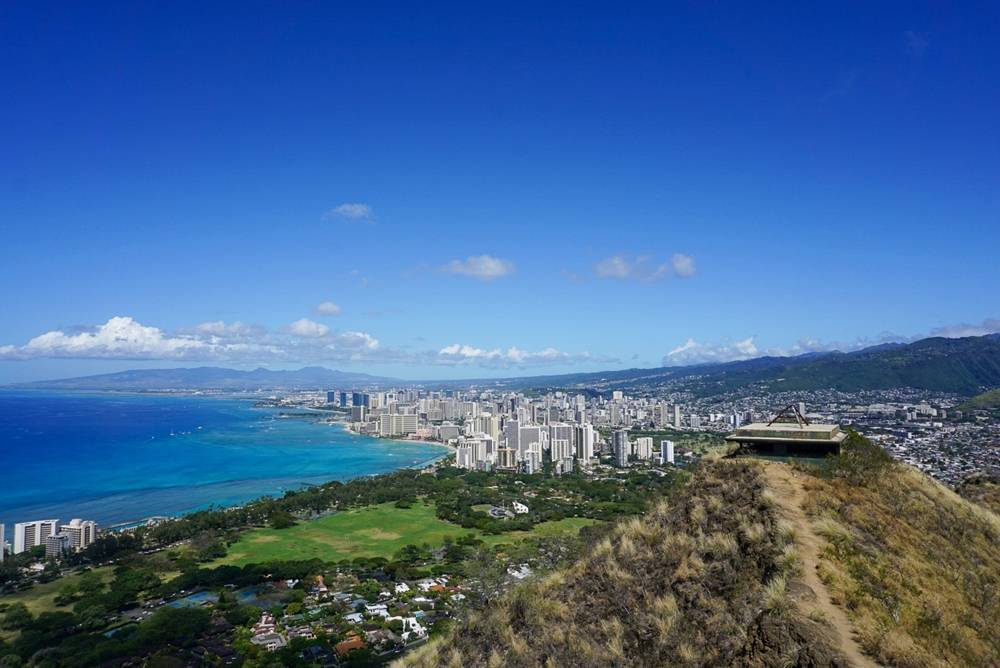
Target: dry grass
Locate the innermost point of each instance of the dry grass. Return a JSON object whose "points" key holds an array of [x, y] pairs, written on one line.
{"points": [[917, 567], [702, 581]]}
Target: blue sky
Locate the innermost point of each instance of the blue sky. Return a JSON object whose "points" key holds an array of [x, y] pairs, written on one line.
{"points": [[491, 190]]}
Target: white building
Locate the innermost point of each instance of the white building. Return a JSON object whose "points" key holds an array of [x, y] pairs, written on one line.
{"points": [[392, 424], [644, 447], [666, 452], [82, 533], [3, 545], [31, 534], [465, 456]]}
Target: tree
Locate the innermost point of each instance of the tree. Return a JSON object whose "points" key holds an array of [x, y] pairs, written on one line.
{"points": [[17, 617], [282, 520]]}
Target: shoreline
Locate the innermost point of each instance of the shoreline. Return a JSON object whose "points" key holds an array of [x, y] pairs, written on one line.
{"points": [[114, 520]]}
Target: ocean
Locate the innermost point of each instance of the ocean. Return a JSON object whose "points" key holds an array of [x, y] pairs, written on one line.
{"points": [[115, 458]]}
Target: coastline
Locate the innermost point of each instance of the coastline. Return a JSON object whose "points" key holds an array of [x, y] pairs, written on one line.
{"points": [[225, 451]]}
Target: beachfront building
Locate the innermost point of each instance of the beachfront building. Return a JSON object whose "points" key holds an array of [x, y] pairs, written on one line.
{"points": [[392, 424], [82, 533], [57, 545], [32, 534]]}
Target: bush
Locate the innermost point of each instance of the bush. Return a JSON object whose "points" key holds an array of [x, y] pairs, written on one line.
{"points": [[860, 461]]}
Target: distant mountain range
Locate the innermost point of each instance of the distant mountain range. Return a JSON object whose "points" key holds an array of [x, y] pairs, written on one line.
{"points": [[213, 378], [965, 366]]}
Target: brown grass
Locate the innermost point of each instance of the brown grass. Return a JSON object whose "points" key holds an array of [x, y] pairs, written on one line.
{"points": [[702, 581], [917, 567]]}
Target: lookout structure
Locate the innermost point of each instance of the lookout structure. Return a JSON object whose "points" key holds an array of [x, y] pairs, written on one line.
{"points": [[789, 434]]}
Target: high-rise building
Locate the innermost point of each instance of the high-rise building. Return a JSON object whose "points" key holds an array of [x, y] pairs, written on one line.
{"points": [[3, 545], [465, 457], [620, 447], [644, 447], [342, 399], [391, 424], [57, 545], [331, 397], [584, 441], [31, 534], [666, 452], [358, 413], [695, 421], [82, 533], [563, 432], [561, 449], [677, 415]]}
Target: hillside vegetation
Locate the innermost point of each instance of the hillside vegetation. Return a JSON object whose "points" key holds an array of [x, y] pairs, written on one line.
{"points": [[916, 566], [963, 366], [982, 489], [703, 580], [983, 402]]}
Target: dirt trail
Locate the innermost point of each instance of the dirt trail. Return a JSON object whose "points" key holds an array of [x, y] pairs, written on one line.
{"points": [[787, 487]]}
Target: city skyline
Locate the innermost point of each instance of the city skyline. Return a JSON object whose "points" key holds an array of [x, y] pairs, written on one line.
{"points": [[453, 193]]}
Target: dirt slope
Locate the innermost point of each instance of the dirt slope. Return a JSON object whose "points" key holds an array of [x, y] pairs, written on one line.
{"points": [[787, 486]]}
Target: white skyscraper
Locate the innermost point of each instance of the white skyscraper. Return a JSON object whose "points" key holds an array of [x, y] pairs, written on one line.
{"points": [[677, 415], [29, 534], [2, 544], [465, 457], [644, 447]]}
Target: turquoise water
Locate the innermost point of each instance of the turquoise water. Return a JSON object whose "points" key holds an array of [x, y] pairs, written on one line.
{"points": [[114, 458]]}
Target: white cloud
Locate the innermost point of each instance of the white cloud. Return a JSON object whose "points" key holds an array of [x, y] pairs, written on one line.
{"points": [[327, 308], [987, 326], [683, 265], [465, 354], [482, 267], [223, 330], [123, 338], [642, 268], [355, 341], [692, 352], [118, 337], [351, 211], [307, 328]]}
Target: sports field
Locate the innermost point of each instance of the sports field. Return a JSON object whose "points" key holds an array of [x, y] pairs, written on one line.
{"points": [[373, 531]]}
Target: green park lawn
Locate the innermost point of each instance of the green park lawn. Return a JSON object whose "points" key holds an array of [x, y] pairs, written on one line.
{"points": [[372, 531]]}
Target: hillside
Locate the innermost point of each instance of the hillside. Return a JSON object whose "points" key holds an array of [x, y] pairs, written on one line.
{"points": [[916, 566], [963, 366], [863, 563], [707, 580], [982, 402], [982, 489]]}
